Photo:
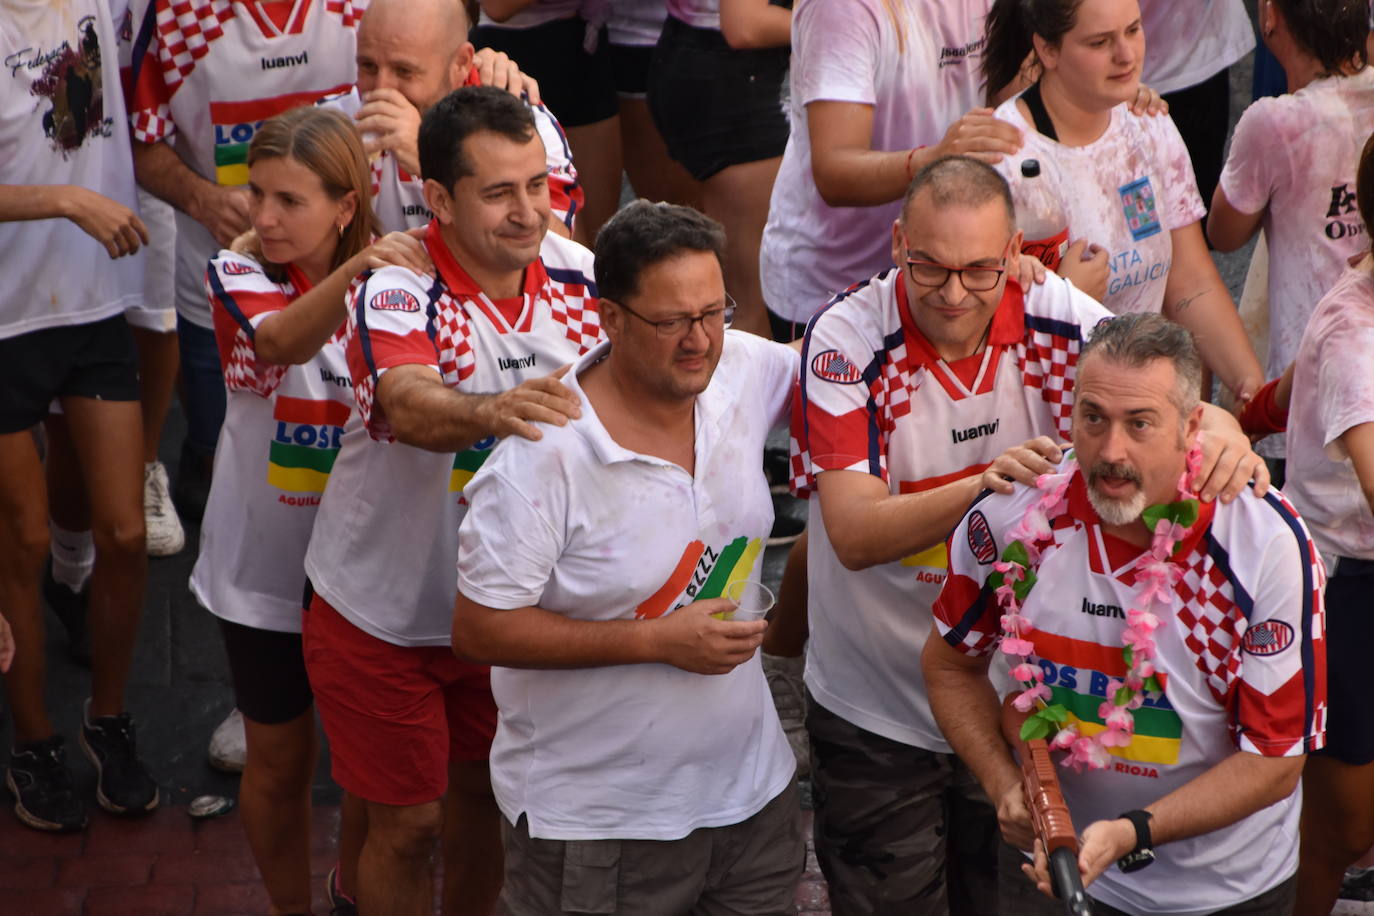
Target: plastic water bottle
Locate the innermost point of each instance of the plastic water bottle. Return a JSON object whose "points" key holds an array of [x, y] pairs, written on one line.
{"points": [[1040, 216]]}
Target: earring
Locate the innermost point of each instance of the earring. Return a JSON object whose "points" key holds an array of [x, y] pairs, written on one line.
{"points": [[341, 230]]}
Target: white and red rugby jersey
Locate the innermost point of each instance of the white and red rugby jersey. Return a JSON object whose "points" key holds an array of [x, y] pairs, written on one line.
{"points": [[876, 398], [282, 430], [1242, 662], [386, 540], [398, 198], [212, 72]]}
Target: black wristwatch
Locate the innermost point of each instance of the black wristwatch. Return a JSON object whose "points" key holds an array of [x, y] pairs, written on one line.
{"points": [[1144, 852]]}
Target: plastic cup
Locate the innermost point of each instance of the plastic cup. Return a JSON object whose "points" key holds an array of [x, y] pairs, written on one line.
{"points": [[752, 600]]}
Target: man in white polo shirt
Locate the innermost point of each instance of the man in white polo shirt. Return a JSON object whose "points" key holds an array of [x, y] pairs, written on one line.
{"points": [[441, 366], [638, 761]]}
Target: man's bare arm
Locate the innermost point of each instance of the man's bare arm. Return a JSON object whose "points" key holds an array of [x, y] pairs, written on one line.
{"points": [[223, 211], [424, 412], [531, 637]]}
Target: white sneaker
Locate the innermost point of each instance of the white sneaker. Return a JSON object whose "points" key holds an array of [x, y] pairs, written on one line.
{"points": [[229, 745], [165, 534]]}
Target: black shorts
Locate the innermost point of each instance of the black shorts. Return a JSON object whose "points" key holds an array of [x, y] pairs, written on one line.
{"points": [[630, 69], [268, 668], [95, 360], [1349, 629], [715, 106], [577, 88]]}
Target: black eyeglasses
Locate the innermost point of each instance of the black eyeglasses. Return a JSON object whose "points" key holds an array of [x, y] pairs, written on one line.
{"points": [[973, 279], [668, 328]]}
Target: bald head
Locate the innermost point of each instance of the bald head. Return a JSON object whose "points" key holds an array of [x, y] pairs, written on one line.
{"points": [[418, 47]]}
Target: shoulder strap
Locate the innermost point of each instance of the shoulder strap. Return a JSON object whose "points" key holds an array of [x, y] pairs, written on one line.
{"points": [[1039, 115]]}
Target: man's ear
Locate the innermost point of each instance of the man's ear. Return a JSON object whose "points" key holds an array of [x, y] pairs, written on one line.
{"points": [[460, 65], [898, 244], [439, 201], [1194, 424]]}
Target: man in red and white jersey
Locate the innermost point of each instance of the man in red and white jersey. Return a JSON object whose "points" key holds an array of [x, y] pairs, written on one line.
{"points": [[918, 388], [411, 53], [442, 367], [1206, 768]]}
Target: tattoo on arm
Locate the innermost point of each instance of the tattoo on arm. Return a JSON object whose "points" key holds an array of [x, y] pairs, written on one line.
{"points": [[1186, 301]]}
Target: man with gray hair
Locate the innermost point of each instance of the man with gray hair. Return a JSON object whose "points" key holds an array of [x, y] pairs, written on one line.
{"points": [[919, 388], [1188, 744]]}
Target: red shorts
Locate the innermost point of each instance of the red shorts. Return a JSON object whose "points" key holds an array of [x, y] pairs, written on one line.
{"points": [[396, 716]]}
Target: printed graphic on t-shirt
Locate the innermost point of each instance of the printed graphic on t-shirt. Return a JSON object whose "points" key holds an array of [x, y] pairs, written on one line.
{"points": [[702, 572], [305, 444], [235, 123], [1079, 678], [1138, 204], [1343, 216], [72, 84], [467, 462]]}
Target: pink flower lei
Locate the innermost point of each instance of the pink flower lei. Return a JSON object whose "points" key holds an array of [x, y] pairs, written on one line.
{"points": [[1014, 577]]}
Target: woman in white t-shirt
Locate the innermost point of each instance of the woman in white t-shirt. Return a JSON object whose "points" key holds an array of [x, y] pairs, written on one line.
{"points": [[1300, 191], [1125, 182], [1331, 482], [279, 310]]}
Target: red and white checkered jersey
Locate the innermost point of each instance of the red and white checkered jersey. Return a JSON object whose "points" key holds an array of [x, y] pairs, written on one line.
{"points": [[386, 540], [211, 72], [282, 430], [398, 198], [1242, 662], [876, 398]]}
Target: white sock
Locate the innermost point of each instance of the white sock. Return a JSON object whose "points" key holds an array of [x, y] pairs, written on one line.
{"points": [[73, 555]]}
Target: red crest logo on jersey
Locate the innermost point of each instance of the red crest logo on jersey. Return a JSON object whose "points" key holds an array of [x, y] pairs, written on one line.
{"points": [[834, 366], [394, 300], [1268, 638], [980, 539], [238, 268]]}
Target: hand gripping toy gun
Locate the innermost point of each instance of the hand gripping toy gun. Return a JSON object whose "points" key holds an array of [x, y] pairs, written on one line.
{"points": [[1048, 811]]}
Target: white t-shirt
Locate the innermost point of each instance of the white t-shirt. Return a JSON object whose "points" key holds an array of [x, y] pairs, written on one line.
{"points": [[282, 429], [537, 13], [214, 72], [1312, 222], [386, 537], [62, 122], [583, 527], [636, 23], [1125, 191], [919, 80], [1188, 41], [876, 398], [1241, 661], [702, 14], [1333, 391]]}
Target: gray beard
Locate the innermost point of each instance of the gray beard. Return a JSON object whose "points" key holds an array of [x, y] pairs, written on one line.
{"points": [[1117, 511]]}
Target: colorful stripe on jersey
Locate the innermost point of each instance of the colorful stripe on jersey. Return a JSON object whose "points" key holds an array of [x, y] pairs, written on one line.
{"points": [[1078, 679], [467, 462], [235, 123], [702, 572], [305, 444]]}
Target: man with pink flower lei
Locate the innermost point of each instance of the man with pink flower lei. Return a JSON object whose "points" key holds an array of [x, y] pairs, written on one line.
{"points": [[1172, 649]]}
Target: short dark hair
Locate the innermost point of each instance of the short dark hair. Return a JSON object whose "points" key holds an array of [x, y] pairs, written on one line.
{"points": [[459, 115], [1137, 339], [641, 235], [1332, 31], [1364, 185], [961, 181]]}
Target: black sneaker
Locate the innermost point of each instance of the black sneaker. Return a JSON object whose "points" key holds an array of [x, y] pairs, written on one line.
{"points": [[786, 527], [123, 785], [70, 608], [42, 787]]}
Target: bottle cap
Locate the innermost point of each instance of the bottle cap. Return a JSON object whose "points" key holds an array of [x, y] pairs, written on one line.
{"points": [[1030, 168]]}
